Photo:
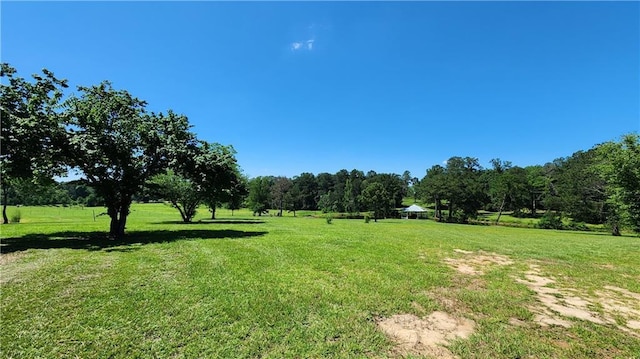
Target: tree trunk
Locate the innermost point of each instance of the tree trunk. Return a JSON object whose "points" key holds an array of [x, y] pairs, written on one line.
{"points": [[5, 196], [533, 205], [183, 213], [122, 222], [504, 199], [615, 230], [450, 211], [113, 225], [213, 212], [118, 217]]}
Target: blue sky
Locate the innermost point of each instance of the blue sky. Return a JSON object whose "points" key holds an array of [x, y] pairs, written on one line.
{"points": [[386, 86]]}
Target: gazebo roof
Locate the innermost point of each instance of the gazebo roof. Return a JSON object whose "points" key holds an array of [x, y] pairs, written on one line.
{"points": [[414, 208]]}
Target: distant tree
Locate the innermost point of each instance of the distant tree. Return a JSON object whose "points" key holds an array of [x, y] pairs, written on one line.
{"points": [[32, 138], [118, 146], [537, 186], [407, 182], [293, 199], [215, 171], [622, 170], [308, 187], [579, 189], [179, 191], [434, 187], [330, 202], [393, 185], [508, 187], [326, 183], [279, 190], [259, 194], [465, 190], [237, 193], [350, 198], [376, 198]]}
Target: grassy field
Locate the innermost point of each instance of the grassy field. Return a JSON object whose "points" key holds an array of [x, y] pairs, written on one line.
{"points": [[244, 286]]}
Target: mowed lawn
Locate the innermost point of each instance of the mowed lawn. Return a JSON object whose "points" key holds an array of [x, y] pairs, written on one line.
{"points": [[244, 286]]}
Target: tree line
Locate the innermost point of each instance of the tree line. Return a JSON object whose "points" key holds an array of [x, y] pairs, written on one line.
{"points": [[111, 139], [348, 192], [597, 186], [125, 153]]}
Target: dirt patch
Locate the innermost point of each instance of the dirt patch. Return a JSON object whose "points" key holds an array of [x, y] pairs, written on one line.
{"points": [[475, 263], [558, 303], [427, 336], [611, 305]]}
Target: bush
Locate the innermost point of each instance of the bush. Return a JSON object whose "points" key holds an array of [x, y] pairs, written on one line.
{"points": [[578, 226], [15, 217], [329, 219], [367, 218], [550, 220]]}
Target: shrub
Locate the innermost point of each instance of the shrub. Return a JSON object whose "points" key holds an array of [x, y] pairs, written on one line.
{"points": [[367, 218], [329, 219], [15, 217], [550, 220], [578, 226]]}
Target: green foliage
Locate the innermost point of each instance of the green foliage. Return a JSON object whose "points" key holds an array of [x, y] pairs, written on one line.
{"points": [[376, 198], [622, 169], [459, 184], [259, 194], [329, 218], [367, 218], [279, 189], [180, 192], [215, 172], [579, 187], [32, 137], [118, 146], [550, 220], [16, 216]]}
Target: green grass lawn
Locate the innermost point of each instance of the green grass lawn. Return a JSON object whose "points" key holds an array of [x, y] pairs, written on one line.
{"points": [[244, 286]]}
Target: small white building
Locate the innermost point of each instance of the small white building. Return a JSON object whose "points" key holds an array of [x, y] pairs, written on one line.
{"points": [[413, 211]]}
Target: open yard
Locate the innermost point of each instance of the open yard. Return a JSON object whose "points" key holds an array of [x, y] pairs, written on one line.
{"points": [[244, 286]]}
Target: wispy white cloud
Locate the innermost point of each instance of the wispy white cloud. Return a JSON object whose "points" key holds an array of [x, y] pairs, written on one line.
{"points": [[305, 45]]}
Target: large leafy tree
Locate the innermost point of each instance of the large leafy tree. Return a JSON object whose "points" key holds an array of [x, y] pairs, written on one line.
{"points": [[433, 187], [467, 191], [308, 187], [216, 173], [205, 173], [622, 170], [537, 187], [508, 187], [31, 136], [376, 198], [279, 191], [259, 194], [579, 188], [237, 193], [118, 146]]}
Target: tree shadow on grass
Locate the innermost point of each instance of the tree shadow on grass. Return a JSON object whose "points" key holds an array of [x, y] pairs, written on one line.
{"points": [[215, 221], [96, 241]]}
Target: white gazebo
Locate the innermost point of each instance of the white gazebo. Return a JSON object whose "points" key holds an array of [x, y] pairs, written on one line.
{"points": [[413, 209]]}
